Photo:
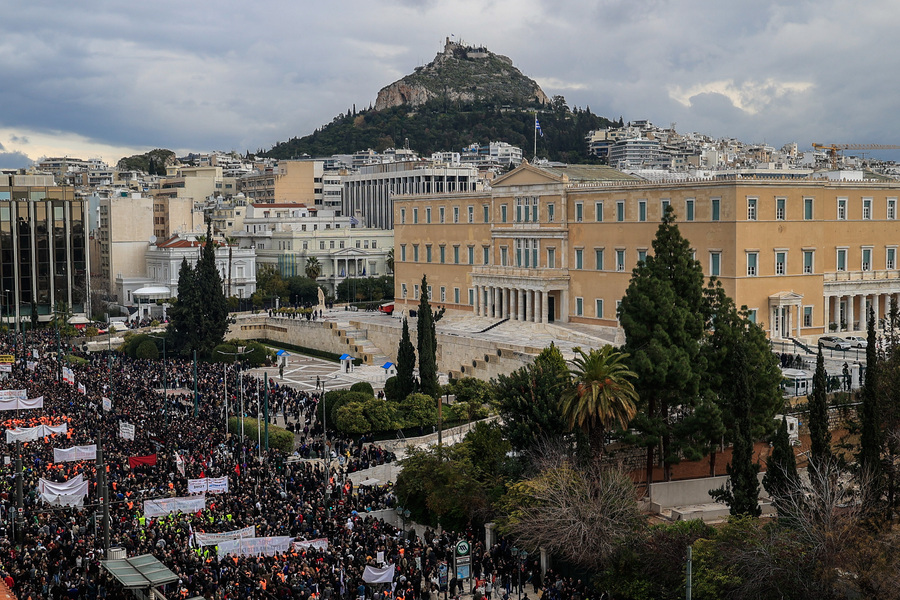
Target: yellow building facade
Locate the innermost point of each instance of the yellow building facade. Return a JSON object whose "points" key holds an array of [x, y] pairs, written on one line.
{"points": [[558, 244]]}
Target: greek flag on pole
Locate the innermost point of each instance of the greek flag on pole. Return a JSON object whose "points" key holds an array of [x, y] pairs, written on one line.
{"points": [[537, 126]]}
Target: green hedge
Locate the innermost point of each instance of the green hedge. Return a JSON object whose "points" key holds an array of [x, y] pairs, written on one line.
{"points": [[308, 351], [279, 438]]}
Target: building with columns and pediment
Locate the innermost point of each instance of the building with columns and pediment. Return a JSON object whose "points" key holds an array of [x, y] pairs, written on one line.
{"points": [[558, 244]]}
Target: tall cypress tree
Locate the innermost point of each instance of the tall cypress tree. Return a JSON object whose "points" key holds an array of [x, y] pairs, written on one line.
{"points": [[781, 467], [406, 364], [183, 330], [742, 495], [870, 423], [427, 346], [820, 437], [214, 309], [663, 317]]}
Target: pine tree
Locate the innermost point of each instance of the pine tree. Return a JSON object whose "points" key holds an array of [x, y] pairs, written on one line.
{"points": [[406, 364], [214, 313], [742, 493], [820, 437], [427, 346], [183, 315], [781, 475], [663, 316], [870, 426]]}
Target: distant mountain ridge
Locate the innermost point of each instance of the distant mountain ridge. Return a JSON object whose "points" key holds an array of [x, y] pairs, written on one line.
{"points": [[462, 73]]}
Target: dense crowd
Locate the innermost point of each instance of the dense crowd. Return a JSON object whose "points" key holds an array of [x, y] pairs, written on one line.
{"points": [[61, 548]]}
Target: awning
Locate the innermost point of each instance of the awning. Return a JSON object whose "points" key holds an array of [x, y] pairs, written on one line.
{"points": [[281, 353], [346, 357], [139, 572], [387, 365]]}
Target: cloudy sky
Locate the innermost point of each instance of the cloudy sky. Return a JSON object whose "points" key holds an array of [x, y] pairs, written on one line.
{"points": [[110, 78]]}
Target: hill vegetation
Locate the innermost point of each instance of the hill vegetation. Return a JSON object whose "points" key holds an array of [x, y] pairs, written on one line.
{"points": [[444, 125], [153, 162]]}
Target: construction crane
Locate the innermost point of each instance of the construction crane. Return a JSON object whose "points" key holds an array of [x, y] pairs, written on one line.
{"points": [[834, 150]]}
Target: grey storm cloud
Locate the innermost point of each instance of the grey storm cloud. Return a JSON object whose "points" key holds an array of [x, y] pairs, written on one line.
{"points": [[239, 75]]}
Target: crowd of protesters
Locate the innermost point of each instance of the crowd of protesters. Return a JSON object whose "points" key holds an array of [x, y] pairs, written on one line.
{"points": [[56, 553]]}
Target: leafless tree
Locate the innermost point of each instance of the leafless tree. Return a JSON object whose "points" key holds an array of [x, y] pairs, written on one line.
{"points": [[578, 512]]}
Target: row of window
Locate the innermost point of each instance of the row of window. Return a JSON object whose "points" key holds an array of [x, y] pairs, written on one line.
{"points": [[527, 209], [361, 244], [842, 213], [527, 255]]}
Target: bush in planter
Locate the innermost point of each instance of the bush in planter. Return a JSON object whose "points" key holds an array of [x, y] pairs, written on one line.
{"points": [[363, 386], [279, 438], [147, 350], [381, 415], [418, 410], [351, 418]]}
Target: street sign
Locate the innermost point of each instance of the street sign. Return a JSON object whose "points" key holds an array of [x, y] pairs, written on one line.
{"points": [[462, 559]]}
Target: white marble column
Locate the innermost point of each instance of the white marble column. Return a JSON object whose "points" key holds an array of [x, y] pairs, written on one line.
{"points": [[520, 308], [799, 319], [545, 308], [477, 306], [827, 313], [851, 300], [529, 294], [876, 300], [506, 295]]}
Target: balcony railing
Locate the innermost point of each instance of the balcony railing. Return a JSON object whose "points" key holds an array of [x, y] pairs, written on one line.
{"points": [[862, 275], [496, 270]]}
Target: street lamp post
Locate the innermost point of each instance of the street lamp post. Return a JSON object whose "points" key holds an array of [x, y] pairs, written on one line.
{"points": [[241, 352], [165, 375]]}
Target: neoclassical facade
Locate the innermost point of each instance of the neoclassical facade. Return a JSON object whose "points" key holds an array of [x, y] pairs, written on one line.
{"points": [[806, 257]]}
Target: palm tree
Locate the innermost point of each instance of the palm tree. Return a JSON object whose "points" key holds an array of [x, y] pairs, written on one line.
{"points": [[313, 268], [602, 395], [390, 260]]}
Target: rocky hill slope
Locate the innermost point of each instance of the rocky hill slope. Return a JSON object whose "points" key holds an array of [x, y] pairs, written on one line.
{"points": [[462, 73]]}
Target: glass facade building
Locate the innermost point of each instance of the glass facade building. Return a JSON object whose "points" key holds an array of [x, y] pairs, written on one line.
{"points": [[43, 250]]}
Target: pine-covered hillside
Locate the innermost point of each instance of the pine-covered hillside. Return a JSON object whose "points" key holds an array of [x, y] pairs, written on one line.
{"points": [[443, 125]]}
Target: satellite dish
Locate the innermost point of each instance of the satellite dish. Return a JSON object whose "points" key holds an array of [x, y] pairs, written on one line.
{"points": [[152, 239]]}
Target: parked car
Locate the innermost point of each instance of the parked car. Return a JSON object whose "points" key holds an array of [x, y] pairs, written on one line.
{"points": [[834, 342], [856, 341]]}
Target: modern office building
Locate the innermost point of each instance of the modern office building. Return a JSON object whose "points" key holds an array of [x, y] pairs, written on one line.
{"points": [[369, 192], [559, 244], [43, 248]]}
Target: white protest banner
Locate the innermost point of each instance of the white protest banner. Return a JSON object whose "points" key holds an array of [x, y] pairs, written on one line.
{"points": [[107, 404], [34, 353], [75, 453], [376, 575], [211, 485], [126, 430], [82, 389], [5, 368], [179, 464], [45, 486], [74, 497], [317, 544], [214, 539], [31, 365], [267, 546], [21, 403], [165, 506], [197, 486], [68, 375], [30, 434], [217, 485], [13, 395]]}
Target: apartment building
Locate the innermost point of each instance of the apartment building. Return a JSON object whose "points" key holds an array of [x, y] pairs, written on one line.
{"points": [[559, 244], [286, 181], [286, 235], [43, 248]]}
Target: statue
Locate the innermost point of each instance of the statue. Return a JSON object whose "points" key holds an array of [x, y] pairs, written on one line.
{"points": [[321, 299]]}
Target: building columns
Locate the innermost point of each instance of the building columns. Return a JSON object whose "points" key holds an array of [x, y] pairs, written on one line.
{"points": [[850, 316], [477, 301], [520, 307]]}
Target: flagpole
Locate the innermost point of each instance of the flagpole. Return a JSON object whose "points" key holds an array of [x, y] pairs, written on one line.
{"points": [[534, 156]]}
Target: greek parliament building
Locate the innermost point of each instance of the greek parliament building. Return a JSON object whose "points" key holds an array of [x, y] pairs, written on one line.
{"points": [[559, 244], [43, 248]]}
